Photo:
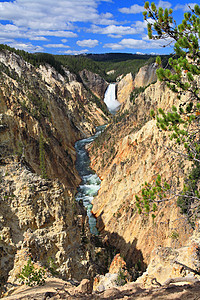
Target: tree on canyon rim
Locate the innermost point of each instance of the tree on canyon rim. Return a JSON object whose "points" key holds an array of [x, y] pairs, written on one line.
{"points": [[182, 122]]}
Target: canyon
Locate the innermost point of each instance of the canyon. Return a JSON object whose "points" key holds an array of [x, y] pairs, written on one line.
{"points": [[43, 113]]}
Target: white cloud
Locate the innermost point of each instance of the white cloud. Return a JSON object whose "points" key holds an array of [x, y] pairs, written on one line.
{"points": [[38, 19], [164, 4], [115, 36], [38, 38], [118, 31], [145, 37], [185, 7], [58, 33], [127, 43], [12, 31], [105, 19], [42, 20], [179, 6], [134, 9], [51, 14], [113, 46], [26, 46], [87, 43], [56, 46], [135, 44], [6, 41], [75, 52]]}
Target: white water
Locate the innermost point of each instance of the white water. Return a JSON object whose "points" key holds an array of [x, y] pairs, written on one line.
{"points": [[90, 184], [110, 99]]}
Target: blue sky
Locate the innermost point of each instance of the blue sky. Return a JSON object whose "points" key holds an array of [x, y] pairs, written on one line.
{"points": [[81, 26]]}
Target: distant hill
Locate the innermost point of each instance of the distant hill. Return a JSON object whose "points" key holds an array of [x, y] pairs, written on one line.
{"points": [[117, 57], [119, 63]]}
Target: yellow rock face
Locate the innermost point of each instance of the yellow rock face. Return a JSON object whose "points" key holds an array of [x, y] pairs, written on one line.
{"points": [[42, 114], [40, 101], [146, 75], [136, 157], [124, 88]]}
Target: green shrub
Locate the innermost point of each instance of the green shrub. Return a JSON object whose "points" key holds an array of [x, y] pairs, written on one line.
{"points": [[190, 193], [121, 277], [32, 276]]}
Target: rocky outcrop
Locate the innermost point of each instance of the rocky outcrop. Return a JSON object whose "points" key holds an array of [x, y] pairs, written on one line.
{"points": [[126, 84], [58, 289], [124, 88], [117, 275], [94, 82], [146, 75], [39, 219], [170, 263]]}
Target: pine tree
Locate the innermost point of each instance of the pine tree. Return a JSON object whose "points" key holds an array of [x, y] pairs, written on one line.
{"points": [[182, 76]]}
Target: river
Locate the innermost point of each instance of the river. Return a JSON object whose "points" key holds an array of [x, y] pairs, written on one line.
{"points": [[90, 181], [90, 184]]}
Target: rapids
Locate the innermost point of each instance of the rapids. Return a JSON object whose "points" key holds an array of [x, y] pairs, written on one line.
{"points": [[90, 181], [90, 184]]}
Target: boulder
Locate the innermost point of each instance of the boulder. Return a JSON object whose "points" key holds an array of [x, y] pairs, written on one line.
{"points": [[85, 287]]}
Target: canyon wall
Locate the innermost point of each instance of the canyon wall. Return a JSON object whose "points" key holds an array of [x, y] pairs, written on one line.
{"points": [[42, 114], [124, 88], [39, 103], [146, 75], [94, 82], [40, 219], [131, 151], [126, 85]]}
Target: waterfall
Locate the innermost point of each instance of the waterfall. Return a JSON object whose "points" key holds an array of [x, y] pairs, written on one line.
{"points": [[110, 99]]}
